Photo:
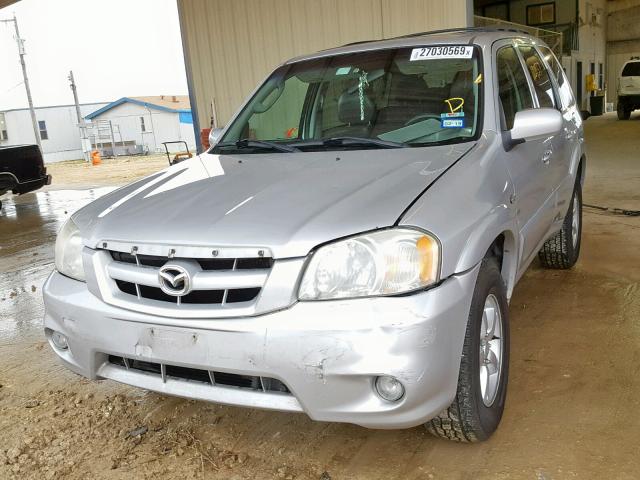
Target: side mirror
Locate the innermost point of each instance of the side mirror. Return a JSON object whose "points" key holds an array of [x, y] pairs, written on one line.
{"points": [[585, 114], [532, 123], [214, 136]]}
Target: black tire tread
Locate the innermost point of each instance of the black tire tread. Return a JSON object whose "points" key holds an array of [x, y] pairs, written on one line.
{"points": [[553, 253], [556, 253], [458, 421]]}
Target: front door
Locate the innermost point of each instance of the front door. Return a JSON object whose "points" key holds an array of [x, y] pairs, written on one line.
{"points": [[527, 162]]}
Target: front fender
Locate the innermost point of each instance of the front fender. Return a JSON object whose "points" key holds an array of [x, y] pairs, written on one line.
{"points": [[498, 223], [469, 207]]}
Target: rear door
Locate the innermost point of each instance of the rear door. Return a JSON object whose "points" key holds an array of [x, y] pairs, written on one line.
{"points": [[570, 137], [525, 161], [555, 156], [552, 151]]}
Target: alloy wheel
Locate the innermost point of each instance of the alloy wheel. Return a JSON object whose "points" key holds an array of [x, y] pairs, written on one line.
{"points": [[491, 349]]}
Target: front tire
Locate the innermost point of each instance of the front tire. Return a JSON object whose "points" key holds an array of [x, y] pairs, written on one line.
{"points": [[561, 251], [477, 407]]}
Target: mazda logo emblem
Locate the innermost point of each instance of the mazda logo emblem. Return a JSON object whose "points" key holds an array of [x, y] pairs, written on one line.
{"points": [[174, 280]]}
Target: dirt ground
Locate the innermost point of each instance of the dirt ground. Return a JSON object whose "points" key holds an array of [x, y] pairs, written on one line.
{"points": [[112, 171], [574, 391]]}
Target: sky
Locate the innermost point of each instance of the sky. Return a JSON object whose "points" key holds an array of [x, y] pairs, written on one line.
{"points": [[118, 48]]}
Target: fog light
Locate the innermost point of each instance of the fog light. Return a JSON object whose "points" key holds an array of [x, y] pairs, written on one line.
{"points": [[59, 340], [389, 388]]}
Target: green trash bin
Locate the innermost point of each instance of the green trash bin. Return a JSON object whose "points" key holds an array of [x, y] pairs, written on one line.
{"points": [[597, 105]]}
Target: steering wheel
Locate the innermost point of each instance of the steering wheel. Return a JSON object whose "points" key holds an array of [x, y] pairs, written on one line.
{"points": [[422, 116]]}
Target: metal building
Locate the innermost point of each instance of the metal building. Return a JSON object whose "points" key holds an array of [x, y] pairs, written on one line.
{"points": [[58, 130], [230, 46]]}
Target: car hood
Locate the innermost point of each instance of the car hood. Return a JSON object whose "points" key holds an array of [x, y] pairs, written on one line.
{"points": [[287, 203]]}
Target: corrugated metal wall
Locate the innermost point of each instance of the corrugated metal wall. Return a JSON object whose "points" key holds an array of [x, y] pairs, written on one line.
{"points": [[230, 46]]}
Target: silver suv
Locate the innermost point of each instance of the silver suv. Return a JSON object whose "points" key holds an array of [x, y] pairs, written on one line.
{"points": [[349, 245]]}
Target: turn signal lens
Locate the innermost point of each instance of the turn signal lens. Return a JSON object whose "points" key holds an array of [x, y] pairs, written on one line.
{"points": [[428, 255]]}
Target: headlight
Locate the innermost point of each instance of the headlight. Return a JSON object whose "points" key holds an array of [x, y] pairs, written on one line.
{"points": [[69, 251], [386, 262]]}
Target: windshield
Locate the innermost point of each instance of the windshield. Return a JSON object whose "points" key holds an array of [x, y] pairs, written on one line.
{"points": [[402, 97]]}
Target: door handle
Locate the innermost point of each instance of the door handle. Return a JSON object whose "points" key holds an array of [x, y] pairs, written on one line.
{"points": [[546, 156]]}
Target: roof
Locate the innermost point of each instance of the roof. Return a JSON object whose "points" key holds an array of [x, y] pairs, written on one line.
{"points": [[166, 103], [6, 3], [53, 106], [471, 35]]}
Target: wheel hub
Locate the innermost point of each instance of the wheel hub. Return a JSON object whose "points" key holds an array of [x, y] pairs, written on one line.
{"points": [[491, 349]]}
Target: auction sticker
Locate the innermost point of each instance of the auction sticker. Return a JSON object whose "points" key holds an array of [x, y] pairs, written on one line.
{"points": [[445, 51]]}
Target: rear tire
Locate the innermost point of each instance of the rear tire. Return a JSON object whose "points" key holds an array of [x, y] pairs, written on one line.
{"points": [[561, 251], [477, 407], [624, 112]]}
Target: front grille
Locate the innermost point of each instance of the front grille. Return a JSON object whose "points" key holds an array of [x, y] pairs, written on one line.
{"points": [[201, 297], [249, 382], [206, 264], [138, 265]]}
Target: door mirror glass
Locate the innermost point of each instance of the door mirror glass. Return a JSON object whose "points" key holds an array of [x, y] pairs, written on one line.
{"points": [[536, 122], [214, 136]]}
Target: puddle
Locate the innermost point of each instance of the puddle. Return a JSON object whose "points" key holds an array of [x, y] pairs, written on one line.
{"points": [[28, 227]]}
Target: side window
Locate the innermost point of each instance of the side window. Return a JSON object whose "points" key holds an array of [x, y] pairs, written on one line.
{"points": [[513, 88], [42, 126], [564, 88], [3, 128], [539, 76]]}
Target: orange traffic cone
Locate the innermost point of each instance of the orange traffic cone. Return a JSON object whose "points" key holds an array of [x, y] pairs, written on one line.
{"points": [[95, 157]]}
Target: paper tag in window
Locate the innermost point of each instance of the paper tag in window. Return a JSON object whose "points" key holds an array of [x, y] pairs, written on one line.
{"points": [[444, 51], [452, 122]]}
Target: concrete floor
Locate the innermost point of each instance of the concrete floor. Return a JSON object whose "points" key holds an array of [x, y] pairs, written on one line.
{"points": [[574, 392]]}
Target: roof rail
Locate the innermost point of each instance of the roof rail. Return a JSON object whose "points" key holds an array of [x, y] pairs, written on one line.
{"points": [[465, 29], [446, 30]]}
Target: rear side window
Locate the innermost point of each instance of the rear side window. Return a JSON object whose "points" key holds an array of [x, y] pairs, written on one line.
{"points": [[513, 88], [564, 88], [631, 69], [539, 77]]}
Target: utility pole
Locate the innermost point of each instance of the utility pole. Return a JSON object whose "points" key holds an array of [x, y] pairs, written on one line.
{"points": [[21, 53], [86, 147], [75, 96]]}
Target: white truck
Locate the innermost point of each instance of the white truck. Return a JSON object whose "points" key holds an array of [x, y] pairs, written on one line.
{"points": [[629, 88]]}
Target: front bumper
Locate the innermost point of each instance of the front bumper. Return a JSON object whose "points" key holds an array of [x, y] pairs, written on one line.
{"points": [[327, 353]]}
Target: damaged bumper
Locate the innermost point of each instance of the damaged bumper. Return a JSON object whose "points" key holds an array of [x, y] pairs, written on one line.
{"points": [[327, 354]]}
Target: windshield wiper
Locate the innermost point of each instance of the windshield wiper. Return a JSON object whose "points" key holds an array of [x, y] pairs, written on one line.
{"points": [[246, 143], [344, 141]]}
